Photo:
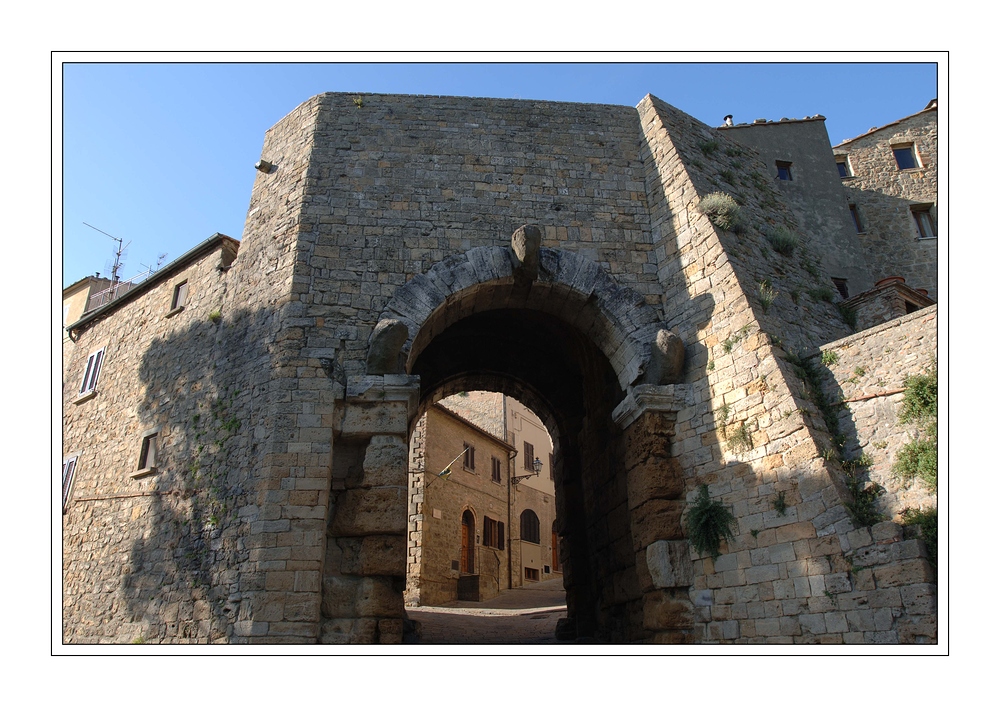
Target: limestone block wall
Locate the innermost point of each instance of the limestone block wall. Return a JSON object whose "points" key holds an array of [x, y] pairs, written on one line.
{"points": [[404, 182], [868, 371], [153, 557], [751, 433], [814, 193], [883, 195]]}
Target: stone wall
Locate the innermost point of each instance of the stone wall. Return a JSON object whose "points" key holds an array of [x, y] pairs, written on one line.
{"points": [[752, 433], [279, 513], [814, 192], [153, 556], [883, 195], [868, 372], [438, 504]]}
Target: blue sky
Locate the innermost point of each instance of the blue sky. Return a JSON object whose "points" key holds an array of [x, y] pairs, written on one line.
{"points": [[162, 154]]}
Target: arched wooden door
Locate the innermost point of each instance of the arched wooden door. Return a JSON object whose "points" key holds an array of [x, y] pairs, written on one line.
{"points": [[468, 543]]}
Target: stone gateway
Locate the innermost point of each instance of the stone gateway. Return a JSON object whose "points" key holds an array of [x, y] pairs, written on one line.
{"points": [[237, 451]]}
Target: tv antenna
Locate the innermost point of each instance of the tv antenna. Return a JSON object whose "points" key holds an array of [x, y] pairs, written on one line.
{"points": [[118, 253]]}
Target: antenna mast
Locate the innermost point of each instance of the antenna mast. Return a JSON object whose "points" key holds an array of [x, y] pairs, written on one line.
{"points": [[118, 257]]}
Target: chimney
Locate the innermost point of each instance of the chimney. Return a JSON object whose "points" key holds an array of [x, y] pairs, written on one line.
{"points": [[728, 120]]}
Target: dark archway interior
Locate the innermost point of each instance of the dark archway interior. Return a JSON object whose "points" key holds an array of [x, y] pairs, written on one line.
{"points": [[558, 372]]}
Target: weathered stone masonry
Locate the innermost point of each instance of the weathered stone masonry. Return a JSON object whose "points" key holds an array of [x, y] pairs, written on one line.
{"points": [[278, 511]]}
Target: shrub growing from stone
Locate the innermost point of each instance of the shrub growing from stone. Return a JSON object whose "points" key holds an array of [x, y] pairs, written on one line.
{"points": [[723, 211]]}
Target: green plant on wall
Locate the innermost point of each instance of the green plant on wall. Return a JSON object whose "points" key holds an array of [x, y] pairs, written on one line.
{"points": [[862, 502], [740, 440], [709, 523], [782, 240], [927, 522], [708, 147], [780, 505], [723, 211], [765, 295], [918, 458]]}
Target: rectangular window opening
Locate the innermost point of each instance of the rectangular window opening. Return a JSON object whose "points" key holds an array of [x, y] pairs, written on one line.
{"points": [[469, 460], [147, 454], [924, 219], [856, 217], [784, 170], [841, 285], [529, 456], [180, 296], [844, 167], [531, 574], [495, 468], [906, 156]]}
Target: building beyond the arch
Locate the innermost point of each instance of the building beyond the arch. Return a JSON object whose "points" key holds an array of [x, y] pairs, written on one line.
{"points": [[236, 429]]}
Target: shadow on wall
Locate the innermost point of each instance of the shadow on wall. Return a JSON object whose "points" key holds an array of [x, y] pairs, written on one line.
{"points": [[205, 388]]}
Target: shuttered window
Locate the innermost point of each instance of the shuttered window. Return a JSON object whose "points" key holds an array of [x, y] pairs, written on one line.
{"points": [[529, 527], [68, 472], [91, 373]]}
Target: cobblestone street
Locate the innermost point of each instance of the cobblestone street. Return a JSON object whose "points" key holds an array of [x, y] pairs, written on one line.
{"points": [[524, 615]]}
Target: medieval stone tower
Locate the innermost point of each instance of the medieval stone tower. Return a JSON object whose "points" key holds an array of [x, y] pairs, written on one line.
{"points": [[399, 249]]}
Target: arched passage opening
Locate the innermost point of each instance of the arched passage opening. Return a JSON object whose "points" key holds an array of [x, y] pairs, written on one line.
{"points": [[557, 371], [556, 332]]}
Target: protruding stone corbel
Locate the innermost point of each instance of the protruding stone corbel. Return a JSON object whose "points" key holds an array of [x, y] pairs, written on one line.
{"points": [[385, 349], [526, 243], [651, 398]]}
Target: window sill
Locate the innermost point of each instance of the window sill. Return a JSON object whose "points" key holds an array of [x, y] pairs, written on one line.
{"points": [[928, 238], [912, 169], [172, 312], [144, 472], [85, 397]]}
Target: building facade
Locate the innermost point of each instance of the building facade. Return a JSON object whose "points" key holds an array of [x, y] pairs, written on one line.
{"points": [[890, 177], [474, 534], [237, 428]]}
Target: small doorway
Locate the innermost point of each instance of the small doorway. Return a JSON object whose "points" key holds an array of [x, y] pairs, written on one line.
{"points": [[468, 543]]}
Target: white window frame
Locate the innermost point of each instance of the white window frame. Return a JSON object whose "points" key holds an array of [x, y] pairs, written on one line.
{"points": [[68, 476], [91, 374]]}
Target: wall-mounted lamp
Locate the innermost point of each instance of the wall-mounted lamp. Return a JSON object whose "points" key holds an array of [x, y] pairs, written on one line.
{"points": [[536, 469], [264, 166]]}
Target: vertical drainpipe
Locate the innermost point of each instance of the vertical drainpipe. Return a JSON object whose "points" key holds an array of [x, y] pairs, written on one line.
{"points": [[510, 549]]}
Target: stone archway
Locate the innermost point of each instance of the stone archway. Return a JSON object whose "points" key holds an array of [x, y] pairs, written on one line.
{"points": [[552, 329]]}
